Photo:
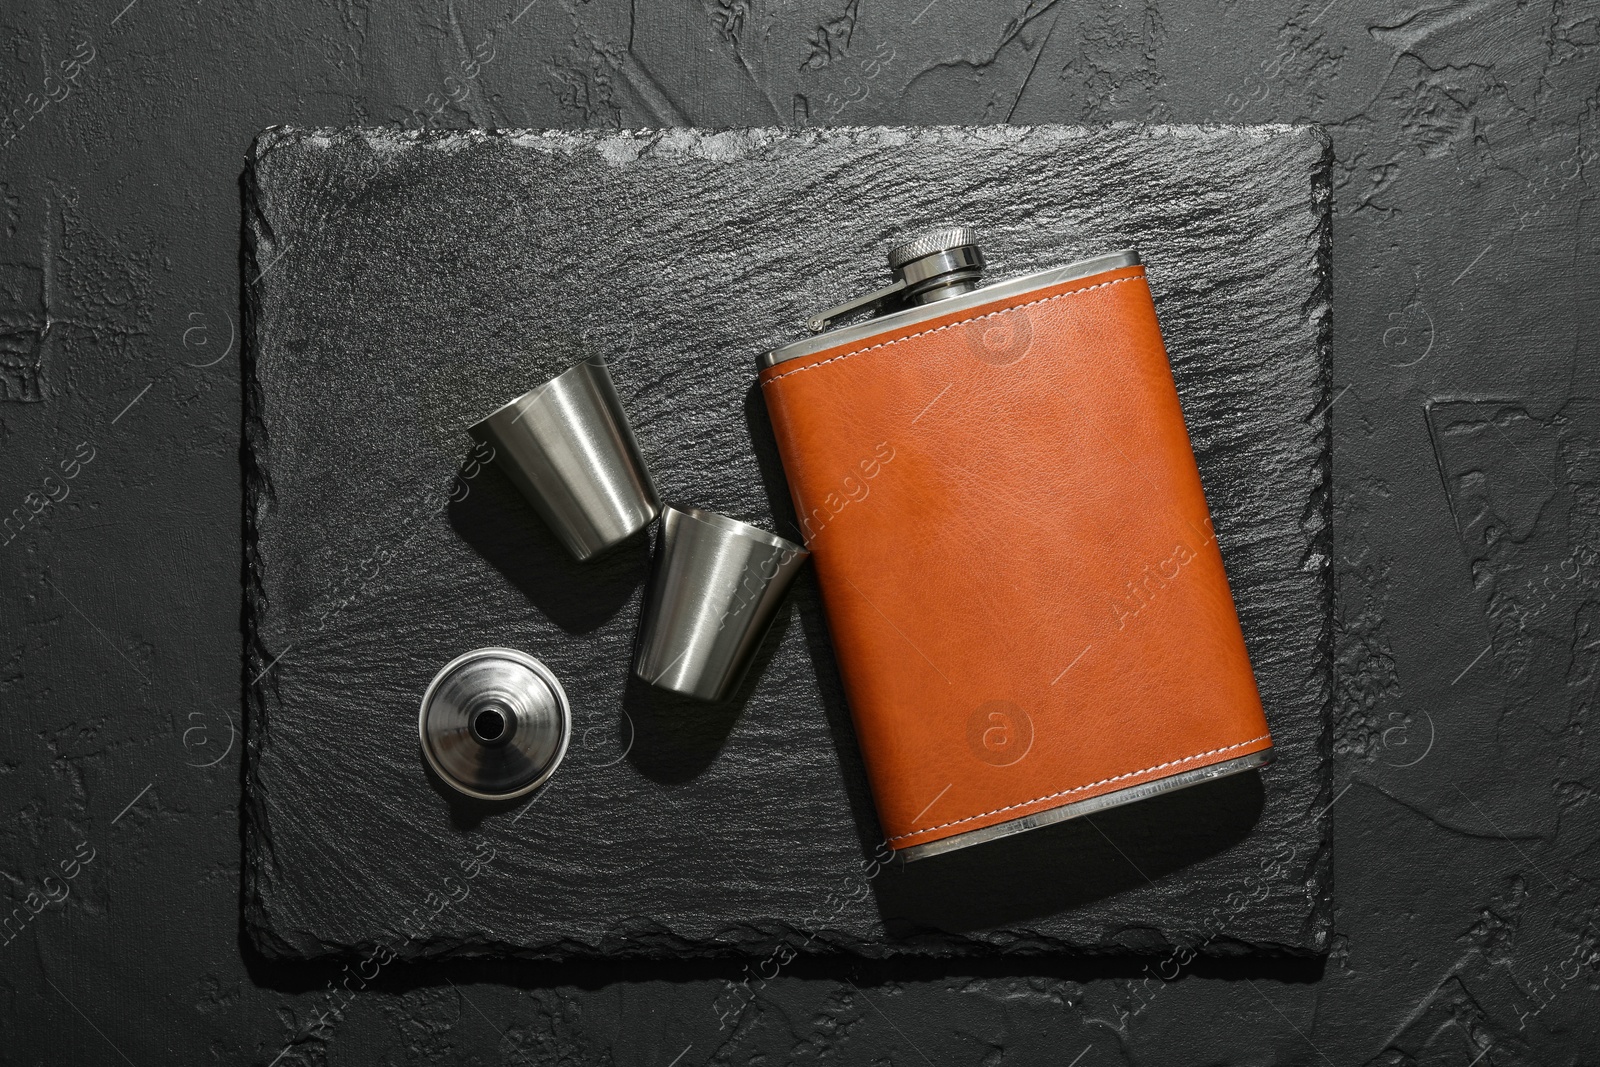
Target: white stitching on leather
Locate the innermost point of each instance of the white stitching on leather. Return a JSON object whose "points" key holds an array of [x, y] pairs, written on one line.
{"points": [[958, 322], [1081, 788]]}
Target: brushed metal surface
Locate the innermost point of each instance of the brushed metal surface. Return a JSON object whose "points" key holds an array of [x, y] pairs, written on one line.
{"points": [[940, 264], [939, 239], [922, 312], [716, 586], [1114, 799], [937, 265], [494, 723], [568, 447]]}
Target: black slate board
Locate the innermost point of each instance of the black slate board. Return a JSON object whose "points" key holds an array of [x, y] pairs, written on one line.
{"points": [[402, 285]]}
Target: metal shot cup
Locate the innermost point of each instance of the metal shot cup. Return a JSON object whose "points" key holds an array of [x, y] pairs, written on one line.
{"points": [[568, 447], [716, 586]]}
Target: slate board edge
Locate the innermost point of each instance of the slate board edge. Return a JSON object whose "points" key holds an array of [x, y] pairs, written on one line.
{"points": [[648, 939], [1318, 526], [257, 496]]}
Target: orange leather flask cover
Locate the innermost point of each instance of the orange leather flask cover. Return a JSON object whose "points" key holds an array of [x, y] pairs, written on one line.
{"points": [[1025, 594]]}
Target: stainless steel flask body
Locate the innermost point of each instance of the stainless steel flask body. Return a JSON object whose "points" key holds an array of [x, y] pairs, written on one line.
{"points": [[567, 446], [715, 589]]}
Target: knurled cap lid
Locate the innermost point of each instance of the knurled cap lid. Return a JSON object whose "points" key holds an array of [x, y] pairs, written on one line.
{"points": [[939, 239]]}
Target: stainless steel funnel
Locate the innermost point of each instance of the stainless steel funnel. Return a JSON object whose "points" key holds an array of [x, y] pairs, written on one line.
{"points": [[494, 723], [568, 447], [716, 586]]}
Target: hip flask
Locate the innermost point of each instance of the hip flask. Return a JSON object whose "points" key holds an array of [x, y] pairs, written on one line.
{"points": [[1025, 594]]}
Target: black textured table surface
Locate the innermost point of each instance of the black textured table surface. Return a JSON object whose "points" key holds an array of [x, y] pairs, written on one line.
{"points": [[408, 286], [1464, 509]]}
